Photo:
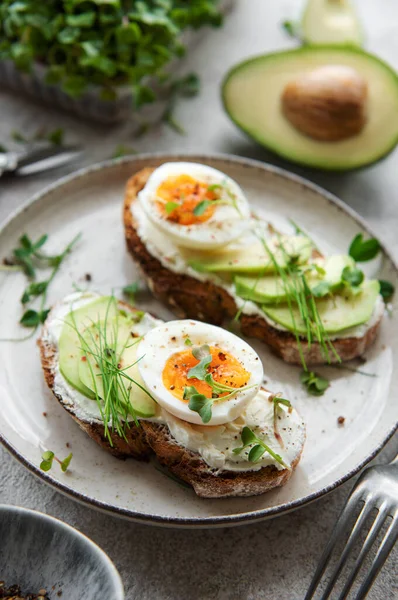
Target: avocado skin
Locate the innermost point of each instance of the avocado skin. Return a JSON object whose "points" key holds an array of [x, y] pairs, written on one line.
{"points": [[279, 150]]}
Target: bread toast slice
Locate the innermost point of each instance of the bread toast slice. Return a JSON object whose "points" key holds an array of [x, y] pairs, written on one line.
{"points": [[151, 438], [192, 469], [189, 297]]}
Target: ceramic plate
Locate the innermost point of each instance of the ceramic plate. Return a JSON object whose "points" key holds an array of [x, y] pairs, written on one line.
{"points": [[90, 202]]}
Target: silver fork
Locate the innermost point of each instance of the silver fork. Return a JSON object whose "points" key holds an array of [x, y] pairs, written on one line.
{"points": [[377, 488]]}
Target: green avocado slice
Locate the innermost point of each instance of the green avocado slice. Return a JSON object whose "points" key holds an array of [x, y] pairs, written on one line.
{"points": [[270, 289], [255, 258], [331, 22], [252, 93], [125, 347], [337, 312], [69, 344]]}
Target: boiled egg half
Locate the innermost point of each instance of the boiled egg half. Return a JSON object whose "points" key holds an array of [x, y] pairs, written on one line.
{"points": [[182, 359], [196, 205]]}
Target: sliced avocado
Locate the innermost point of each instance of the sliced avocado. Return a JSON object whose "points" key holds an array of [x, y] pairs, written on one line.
{"points": [[252, 93], [334, 266], [331, 22], [255, 258], [125, 347], [69, 344], [263, 290], [337, 312], [270, 289]]}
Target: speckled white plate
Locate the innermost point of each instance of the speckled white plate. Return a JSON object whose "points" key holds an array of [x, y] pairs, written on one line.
{"points": [[90, 202]]}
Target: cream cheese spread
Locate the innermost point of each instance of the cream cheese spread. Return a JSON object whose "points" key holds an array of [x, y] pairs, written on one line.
{"points": [[216, 444]]}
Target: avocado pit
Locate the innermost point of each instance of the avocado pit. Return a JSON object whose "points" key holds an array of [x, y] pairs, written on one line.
{"points": [[328, 103]]}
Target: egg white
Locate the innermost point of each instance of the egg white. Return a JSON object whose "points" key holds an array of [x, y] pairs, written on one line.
{"points": [[165, 340], [225, 225]]}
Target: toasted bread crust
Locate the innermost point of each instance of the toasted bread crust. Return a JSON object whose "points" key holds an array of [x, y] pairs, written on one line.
{"points": [[191, 298], [134, 445], [189, 467]]}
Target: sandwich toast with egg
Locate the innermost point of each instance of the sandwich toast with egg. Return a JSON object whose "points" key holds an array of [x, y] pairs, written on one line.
{"points": [[246, 442], [203, 288]]}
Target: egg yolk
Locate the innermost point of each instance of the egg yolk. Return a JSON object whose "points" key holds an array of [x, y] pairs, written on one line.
{"points": [[177, 198], [224, 367]]}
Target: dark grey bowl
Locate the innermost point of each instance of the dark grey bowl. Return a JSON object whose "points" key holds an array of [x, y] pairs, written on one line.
{"points": [[38, 551]]}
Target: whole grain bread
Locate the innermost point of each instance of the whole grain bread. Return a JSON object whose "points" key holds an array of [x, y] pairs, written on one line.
{"points": [[189, 467], [153, 438], [191, 298]]}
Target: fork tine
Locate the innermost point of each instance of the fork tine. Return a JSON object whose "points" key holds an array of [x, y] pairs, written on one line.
{"points": [[365, 510], [370, 538], [384, 550], [345, 516]]}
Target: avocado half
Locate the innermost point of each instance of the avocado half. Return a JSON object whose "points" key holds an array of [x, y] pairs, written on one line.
{"points": [[252, 91], [326, 22]]}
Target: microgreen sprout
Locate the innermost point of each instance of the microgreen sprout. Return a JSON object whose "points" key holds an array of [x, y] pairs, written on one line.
{"points": [[363, 250], [220, 392], [201, 207], [185, 87], [106, 43], [170, 207], [352, 278], [26, 252], [321, 290], [199, 403], [48, 458], [386, 289], [316, 384], [299, 231], [202, 354], [292, 29], [277, 403], [28, 257], [123, 150], [131, 290], [55, 137], [214, 186], [66, 462], [257, 448], [32, 318]]}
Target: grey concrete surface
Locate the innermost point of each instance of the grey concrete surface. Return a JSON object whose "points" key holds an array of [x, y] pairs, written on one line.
{"points": [[272, 560]]}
